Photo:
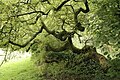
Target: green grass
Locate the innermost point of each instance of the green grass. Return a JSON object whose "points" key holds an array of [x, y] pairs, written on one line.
{"points": [[20, 70]]}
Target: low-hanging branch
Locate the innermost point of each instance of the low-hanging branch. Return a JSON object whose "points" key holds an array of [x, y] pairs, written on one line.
{"points": [[23, 45], [28, 13], [46, 1], [59, 36]]}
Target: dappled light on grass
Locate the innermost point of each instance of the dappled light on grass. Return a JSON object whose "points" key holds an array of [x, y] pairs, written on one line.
{"points": [[17, 67], [20, 70]]}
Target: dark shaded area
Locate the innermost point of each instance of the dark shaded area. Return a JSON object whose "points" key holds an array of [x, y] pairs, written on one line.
{"points": [[69, 66]]}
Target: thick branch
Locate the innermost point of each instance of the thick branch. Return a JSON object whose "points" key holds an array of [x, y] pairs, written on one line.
{"points": [[72, 47], [57, 35], [63, 48], [69, 45], [61, 35]]}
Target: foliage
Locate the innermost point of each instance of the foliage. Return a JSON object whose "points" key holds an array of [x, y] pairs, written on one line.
{"points": [[104, 22], [21, 21], [114, 69], [47, 28], [72, 67], [75, 67]]}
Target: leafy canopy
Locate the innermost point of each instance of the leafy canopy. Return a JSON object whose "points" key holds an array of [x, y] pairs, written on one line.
{"points": [[23, 23]]}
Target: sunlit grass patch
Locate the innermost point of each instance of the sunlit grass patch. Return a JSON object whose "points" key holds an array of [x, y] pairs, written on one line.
{"points": [[23, 69]]}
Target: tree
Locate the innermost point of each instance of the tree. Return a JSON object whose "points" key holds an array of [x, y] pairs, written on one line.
{"points": [[50, 27], [24, 17], [26, 24]]}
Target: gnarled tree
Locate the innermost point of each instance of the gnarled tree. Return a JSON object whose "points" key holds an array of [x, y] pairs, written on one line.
{"points": [[23, 23]]}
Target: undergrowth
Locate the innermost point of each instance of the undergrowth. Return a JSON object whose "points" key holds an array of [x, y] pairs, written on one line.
{"points": [[63, 66]]}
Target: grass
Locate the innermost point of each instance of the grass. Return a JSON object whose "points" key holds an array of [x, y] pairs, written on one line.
{"points": [[20, 70]]}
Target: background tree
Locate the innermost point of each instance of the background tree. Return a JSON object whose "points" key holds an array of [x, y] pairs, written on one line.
{"points": [[104, 23], [50, 29]]}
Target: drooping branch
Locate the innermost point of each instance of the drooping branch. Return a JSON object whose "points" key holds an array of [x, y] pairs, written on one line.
{"points": [[23, 45], [43, 13], [61, 36], [46, 1], [78, 25], [68, 46], [72, 47]]}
